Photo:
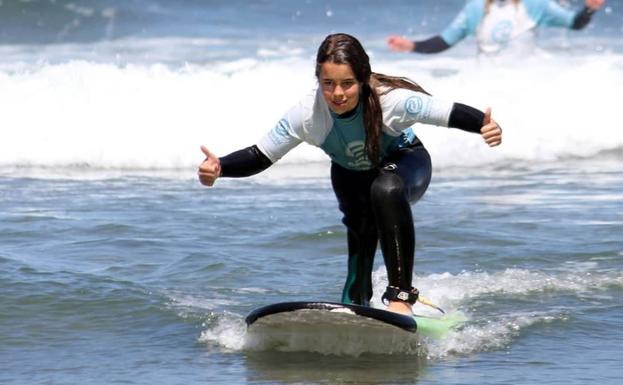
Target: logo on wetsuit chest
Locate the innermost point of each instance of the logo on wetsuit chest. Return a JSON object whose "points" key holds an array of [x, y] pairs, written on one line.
{"points": [[502, 32], [356, 151]]}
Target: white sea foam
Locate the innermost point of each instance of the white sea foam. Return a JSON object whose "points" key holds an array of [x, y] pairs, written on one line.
{"points": [[228, 332], [81, 113], [454, 293]]}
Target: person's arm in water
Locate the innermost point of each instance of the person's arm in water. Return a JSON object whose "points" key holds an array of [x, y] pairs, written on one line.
{"points": [[433, 45], [463, 25], [583, 17]]}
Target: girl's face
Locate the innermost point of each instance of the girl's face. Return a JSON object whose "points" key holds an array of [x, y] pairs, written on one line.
{"points": [[339, 86]]}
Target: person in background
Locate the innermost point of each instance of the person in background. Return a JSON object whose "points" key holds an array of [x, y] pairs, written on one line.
{"points": [[499, 24], [362, 120]]}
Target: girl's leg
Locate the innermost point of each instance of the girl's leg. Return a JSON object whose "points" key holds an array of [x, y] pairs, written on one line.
{"points": [[403, 179], [352, 189]]}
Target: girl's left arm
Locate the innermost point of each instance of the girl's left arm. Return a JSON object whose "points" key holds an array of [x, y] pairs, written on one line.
{"points": [[470, 119], [403, 108]]}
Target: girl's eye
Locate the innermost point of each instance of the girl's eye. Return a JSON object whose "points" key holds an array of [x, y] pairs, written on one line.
{"points": [[328, 87], [330, 84]]}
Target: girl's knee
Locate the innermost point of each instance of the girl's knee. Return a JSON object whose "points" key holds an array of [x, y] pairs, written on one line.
{"points": [[387, 186]]}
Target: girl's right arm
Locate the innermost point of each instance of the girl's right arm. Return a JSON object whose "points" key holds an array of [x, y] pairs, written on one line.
{"points": [[246, 162], [250, 160]]}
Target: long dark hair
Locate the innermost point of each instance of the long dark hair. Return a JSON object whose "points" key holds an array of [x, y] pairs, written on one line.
{"points": [[341, 48]]}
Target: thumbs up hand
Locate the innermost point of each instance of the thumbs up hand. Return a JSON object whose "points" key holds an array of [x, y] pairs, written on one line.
{"points": [[491, 132], [210, 168]]}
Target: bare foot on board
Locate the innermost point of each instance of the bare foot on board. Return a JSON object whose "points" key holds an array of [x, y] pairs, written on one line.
{"points": [[400, 307]]}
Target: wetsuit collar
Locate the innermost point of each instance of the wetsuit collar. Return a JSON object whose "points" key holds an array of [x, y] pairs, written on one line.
{"points": [[349, 115]]}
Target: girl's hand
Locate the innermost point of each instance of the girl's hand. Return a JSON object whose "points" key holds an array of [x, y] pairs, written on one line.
{"points": [[491, 132], [209, 169]]}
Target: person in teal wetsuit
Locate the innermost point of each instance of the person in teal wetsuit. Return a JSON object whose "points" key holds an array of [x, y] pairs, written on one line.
{"points": [[362, 120], [499, 24]]}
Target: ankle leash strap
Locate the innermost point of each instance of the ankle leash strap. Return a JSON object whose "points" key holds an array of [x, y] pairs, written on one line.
{"points": [[393, 293]]}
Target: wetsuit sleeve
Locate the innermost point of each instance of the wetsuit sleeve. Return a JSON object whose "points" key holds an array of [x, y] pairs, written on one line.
{"points": [[550, 13], [403, 108], [269, 149], [433, 45], [246, 162], [466, 118], [457, 30], [281, 139], [582, 18], [465, 23]]}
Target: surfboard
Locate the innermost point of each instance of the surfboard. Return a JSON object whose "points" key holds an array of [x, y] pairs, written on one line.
{"points": [[331, 326]]}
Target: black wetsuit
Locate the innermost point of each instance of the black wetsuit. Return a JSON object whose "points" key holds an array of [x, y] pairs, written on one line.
{"points": [[377, 206]]}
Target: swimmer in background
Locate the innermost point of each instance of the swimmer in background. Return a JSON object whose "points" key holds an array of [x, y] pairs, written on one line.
{"points": [[498, 24]]}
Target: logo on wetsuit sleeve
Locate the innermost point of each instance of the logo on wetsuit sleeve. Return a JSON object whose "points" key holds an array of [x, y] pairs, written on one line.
{"points": [[413, 105], [280, 133]]}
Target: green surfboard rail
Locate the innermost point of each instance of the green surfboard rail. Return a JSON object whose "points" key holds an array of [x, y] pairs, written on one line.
{"points": [[438, 327]]}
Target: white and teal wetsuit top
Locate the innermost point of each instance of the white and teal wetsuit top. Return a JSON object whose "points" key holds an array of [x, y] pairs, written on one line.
{"points": [[505, 22], [343, 139]]}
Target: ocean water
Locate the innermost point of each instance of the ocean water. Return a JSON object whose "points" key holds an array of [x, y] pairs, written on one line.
{"points": [[117, 266]]}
